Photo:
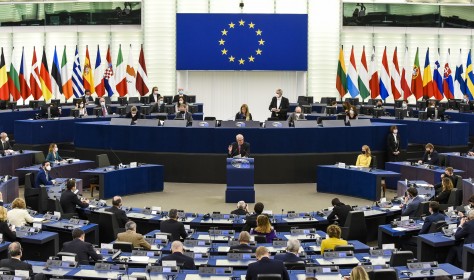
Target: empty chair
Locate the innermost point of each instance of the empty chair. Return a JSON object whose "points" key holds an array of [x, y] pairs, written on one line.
{"points": [[455, 199], [373, 162], [133, 100], [108, 227], [269, 277], [436, 226], [101, 160], [58, 208], [31, 194], [344, 248], [385, 274], [423, 209], [39, 158], [355, 227], [260, 238], [124, 246], [401, 258]]}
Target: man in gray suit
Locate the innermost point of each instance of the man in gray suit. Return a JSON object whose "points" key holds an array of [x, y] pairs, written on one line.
{"points": [[296, 115]]}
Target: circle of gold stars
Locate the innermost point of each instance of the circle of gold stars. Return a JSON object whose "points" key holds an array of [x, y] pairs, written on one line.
{"points": [[241, 60]]}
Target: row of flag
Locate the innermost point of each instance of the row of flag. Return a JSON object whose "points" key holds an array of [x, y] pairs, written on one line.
{"points": [[392, 80], [46, 82]]}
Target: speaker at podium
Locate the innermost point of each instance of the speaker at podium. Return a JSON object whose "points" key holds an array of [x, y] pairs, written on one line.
{"points": [[240, 180]]}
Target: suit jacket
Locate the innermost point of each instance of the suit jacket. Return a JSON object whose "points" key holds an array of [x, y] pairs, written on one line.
{"points": [[466, 232], [284, 105], [8, 235], [152, 97], [266, 266], [176, 98], [239, 211], [42, 178], [84, 250], [52, 157], [392, 145], [186, 116], [5, 146], [433, 158], [442, 197], [187, 262], [287, 257], [244, 150], [243, 247], [250, 222], [292, 117], [411, 208], [69, 201], [341, 211], [134, 119], [120, 215], [136, 239], [16, 264], [107, 108], [175, 228], [433, 218]]}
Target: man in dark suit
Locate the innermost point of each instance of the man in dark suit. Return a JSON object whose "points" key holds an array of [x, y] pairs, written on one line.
{"points": [[239, 148], [69, 199], [433, 218], [244, 241], [43, 177], [183, 114], [14, 262], [242, 209], [411, 203], [393, 144], [177, 255], [84, 250], [265, 265], [279, 105], [87, 98], [173, 227], [465, 233], [296, 115], [339, 212], [133, 114], [431, 155], [292, 251], [104, 109], [5, 143], [251, 220], [120, 214], [179, 95]]}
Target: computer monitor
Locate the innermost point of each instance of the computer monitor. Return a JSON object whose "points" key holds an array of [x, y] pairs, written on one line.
{"points": [[464, 108], [3, 104], [328, 100], [170, 109], [321, 119], [76, 101], [471, 104], [422, 116], [133, 100], [306, 109], [367, 110], [56, 102], [192, 108], [443, 105], [162, 116], [453, 104], [168, 99], [12, 106], [145, 110], [431, 113], [121, 110], [400, 113], [373, 101], [331, 110], [97, 111], [35, 104], [145, 100], [378, 112], [74, 113], [191, 98], [420, 105], [122, 100], [398, 103], [352, 101]]}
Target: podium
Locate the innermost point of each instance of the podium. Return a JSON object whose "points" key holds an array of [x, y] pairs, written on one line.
{"points": [[240, 180]]}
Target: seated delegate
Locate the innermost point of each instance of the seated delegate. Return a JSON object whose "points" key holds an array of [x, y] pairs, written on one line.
{"points": [[243, 114], [53, 154], [365, 158]]}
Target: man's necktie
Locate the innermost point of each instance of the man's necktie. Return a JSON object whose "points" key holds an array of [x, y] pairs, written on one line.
{"points": [[103, 111]]}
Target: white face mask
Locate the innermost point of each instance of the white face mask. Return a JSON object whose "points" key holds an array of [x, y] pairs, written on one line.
{"points": [[160, 102], [133, 114], [351, 112], [56, 150], [180, 102], [277, 95], [395, 131], [180, 92], [102, 103], [48, 168], [7, 139], [404, 105], [81, 106]]}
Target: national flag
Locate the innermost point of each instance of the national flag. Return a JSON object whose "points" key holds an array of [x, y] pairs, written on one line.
{"points": [[4, 91], [13, 81], [57, 83], [77, 81], [395, 78], [341, 78], [469, 77], [99, 75], [142, 76], [45, 78], [120, 79], [437, 81], [109, 81], [427, 78], [352, 77], [448, 85], [459, 82], [404, 82], [24, 86], [416, 81], [130, 75], [35, 84], [363, 76], [88, 76], [65, 79], [384, 77], [374, 76]]}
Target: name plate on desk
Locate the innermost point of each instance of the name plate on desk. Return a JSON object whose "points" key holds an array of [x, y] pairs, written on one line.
{"points": [[422, 265], [221, 232], [240, 256], [194, 242], [338, 254], [381, 252], [162, 269], [215, 270], [150, 254], [296, 231], [322, 269], [341, 165], [197, 255]]}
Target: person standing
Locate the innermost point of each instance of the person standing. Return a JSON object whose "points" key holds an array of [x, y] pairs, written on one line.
{"points": [[393, 144], [279, 105]]}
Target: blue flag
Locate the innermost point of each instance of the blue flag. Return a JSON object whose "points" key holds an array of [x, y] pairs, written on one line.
{"points": [[242, 42]]}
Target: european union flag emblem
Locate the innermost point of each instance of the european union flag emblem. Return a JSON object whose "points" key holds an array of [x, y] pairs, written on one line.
{"points": [[242, 42]]}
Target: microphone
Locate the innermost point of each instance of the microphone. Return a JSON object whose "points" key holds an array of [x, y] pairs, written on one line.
{"points": [[113, 152], [282, 210]]}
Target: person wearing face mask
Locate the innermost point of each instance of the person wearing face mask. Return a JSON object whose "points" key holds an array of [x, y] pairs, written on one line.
{"points": [[43, 177], [365, 157], [180, 95], [411, 202], [181, 101], [296, 115], [393, 144], [82, 109], [465, 99], [104, 109], [53, 155], [379, 104], [154, 95], [409, 111], [159, 107], [5, 146], [279, 105], [351, 114], [431, 155], [87, 97], [133, 114], [183, 114]]}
